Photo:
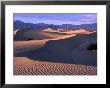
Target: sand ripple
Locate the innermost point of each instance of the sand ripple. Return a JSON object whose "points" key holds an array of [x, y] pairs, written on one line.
{"points": [[28, 67]]}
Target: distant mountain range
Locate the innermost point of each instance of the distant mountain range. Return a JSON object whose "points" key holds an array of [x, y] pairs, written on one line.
{"points": [[40, 26]]}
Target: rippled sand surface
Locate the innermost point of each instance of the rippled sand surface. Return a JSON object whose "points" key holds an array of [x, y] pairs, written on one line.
{"points": [[25, 66]]}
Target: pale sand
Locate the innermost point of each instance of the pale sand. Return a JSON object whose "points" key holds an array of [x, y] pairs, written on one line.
{"points": [[22, 46], [53, 35], [25, 66], [62, 31]]}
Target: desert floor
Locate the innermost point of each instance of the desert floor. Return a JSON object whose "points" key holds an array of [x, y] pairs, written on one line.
{"points": [[25, 66]]}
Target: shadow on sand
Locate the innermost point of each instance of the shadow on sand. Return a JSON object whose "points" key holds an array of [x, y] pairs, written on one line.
{"points": [[73, 50]]}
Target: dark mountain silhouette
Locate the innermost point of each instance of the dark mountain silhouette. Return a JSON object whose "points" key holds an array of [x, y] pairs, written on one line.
{"points": [[19, 24]]}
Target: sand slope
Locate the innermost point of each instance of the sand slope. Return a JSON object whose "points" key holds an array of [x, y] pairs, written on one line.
{"points": [[56, 54], [27, 34], [68, 50], [22, 46], [24, 66]]}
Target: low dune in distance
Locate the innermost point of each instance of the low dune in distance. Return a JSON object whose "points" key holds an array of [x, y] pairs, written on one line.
{"points": [[49, 30], [53, 34], [25, 66], [31, 34], [80, 31], [68, 32]]}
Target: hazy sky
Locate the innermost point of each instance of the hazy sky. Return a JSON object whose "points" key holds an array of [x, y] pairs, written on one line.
{"points": [[57, 18]]}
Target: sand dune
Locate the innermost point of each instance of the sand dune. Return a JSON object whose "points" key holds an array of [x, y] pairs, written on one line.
{"points": [[29, 34], [24, 66], [53, 34], [22, 46], [64, 50], [32, 34], [16, 31], [63, 37], [49, 30], [80, 31], [55, 54]]}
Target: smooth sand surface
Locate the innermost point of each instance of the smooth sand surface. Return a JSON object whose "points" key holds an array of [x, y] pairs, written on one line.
{"points": [[25, 66], [22, 46], [53, 34]]}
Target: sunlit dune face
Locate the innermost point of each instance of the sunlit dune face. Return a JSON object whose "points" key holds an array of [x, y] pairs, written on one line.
{"points": [[69, 33], [63, 31], [21, 61], [80, 31], [49, 30], [14, 33], [22, 46], [52, 35], [60, 30], [24, 66], [63, 37]]}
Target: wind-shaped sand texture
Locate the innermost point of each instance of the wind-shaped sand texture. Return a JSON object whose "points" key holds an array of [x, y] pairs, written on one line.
{"points": [[39, 57], [25, 66]]}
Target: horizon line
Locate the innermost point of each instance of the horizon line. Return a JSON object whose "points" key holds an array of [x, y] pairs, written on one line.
{"points": [[54, 24]]}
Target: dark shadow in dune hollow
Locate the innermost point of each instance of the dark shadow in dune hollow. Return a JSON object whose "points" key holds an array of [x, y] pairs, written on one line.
{"points": [[73, 50]]}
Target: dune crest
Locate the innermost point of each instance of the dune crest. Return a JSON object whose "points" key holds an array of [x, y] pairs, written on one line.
{"points": [[49, 30]]}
